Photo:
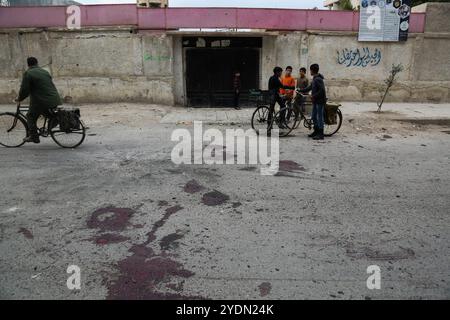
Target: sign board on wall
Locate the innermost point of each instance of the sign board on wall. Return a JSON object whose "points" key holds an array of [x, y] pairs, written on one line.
{"points": [[384, 20]]}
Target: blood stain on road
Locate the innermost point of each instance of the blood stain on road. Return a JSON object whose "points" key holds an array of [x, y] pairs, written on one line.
{"points": [[110, 219], [27, 233], [109, 238], [214, 198], [264, 289], [290, 166], [158, 224], [192, 186], [141, 274]]}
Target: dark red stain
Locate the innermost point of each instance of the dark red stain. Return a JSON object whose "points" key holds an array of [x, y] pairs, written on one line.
{"points": [[192, 186], [141, 274], [286, 167], [289, 165], [109, 238], [264, 289], [170, 241], [110, 218], [27, 233], [214, 198], [158, 224]]}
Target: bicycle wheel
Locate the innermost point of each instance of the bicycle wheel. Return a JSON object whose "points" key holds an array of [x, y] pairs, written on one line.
{"points": [[69, 138], [329, 130], [260, 119], [292, 118], [13, 130], [284, 127]]}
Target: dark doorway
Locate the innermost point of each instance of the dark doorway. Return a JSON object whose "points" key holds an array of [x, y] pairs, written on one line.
{"points": [[209, 73]]}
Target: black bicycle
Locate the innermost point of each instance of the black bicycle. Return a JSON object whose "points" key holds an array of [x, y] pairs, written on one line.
{"points": [[14, 128], [290, 117], [260, 117]]}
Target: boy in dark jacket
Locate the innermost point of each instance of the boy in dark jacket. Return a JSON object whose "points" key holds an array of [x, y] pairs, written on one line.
{"points": [[275, 85], [319, 99]]}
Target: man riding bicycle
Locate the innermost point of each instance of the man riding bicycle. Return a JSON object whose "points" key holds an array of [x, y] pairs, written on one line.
{"points": [[38, 84], [275, 85]]}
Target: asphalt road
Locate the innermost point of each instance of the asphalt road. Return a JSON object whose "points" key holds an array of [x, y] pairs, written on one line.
{"points": [[140, 227]]}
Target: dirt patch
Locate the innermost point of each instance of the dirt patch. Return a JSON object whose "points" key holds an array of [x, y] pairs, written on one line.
{"points": [[174, 171], [390, 113], [426, 122], [170, 241], [379, 255], [163, 203], [236, 204], [248, 168]]}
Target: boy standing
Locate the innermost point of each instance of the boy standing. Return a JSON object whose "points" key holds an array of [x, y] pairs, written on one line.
{"points": [[289, 81], [302, 80], [319, 98], [302, 83], [236, 89]]}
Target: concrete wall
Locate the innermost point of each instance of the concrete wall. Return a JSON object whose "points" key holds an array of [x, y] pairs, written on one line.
{"points": [[425, 57], [106, 64], [97, 66]]}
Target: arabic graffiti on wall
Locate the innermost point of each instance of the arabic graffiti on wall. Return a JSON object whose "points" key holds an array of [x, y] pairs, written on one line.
{"points": [[358, 58]]}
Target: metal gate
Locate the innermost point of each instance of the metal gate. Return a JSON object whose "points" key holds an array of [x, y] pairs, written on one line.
{"points": [[210, 74]]}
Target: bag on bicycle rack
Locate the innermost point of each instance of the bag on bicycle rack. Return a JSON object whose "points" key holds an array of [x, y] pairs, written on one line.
{"points": [[68, 119], [331, 113]]}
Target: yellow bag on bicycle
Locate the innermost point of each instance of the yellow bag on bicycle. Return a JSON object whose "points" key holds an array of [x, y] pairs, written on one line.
{"points": [[331, 113]]}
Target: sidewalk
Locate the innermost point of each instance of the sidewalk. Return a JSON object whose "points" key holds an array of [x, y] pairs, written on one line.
{"points": [[349, 109], [141, 114]]}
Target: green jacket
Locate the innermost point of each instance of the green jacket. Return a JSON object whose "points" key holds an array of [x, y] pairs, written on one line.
{"points": [[37, 83]]}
